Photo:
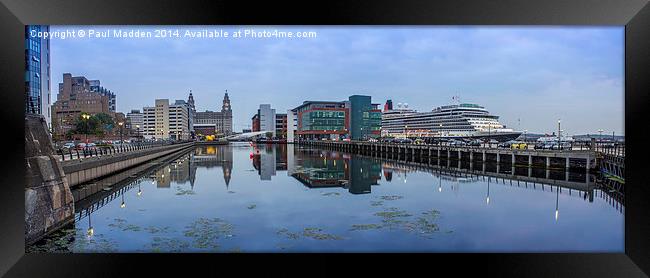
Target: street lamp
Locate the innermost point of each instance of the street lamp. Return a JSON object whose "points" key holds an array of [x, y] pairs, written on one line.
{"points": [[600, 134], [121, 124], [86, 117], [559, 137]]}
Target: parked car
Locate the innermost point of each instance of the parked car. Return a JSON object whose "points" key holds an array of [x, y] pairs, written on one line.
{"points": [[402, 141], [506, 145], [80, 146], [540, 146], [373, 140], [90, 145], [419, 141], [475, 143], [457, 143], [68, 145]]}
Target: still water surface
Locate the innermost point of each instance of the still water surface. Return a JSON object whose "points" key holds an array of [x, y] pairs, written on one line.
{"points": [[278, 198]]}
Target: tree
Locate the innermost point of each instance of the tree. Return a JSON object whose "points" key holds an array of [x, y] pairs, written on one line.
{"points": [[269, 134], [97, 124]]}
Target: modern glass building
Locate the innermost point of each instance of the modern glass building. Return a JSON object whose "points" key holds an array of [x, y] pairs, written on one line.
{"points": [[37, 72], [365, 118], [357, 119]]}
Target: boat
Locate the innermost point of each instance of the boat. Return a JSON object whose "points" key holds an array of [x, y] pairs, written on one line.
{"points": [[456, 121]]}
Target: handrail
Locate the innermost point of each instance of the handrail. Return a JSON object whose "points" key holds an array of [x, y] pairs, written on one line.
{"points": [[87, 152]]}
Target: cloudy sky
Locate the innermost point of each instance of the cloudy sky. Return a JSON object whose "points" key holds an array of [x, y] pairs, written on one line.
{"points": [[529, 76]]}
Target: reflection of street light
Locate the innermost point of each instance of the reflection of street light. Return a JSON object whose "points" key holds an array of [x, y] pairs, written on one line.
{"points": [[440, 181], [139, 190], [557, 200], [123, 205], [90, 231], [487, 200]]}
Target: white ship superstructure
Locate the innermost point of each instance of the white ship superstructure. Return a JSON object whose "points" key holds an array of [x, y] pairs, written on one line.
{"points": [[449, 121]]}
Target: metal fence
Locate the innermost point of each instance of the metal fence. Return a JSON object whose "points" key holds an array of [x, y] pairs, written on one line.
{"points": [[97, 151]]}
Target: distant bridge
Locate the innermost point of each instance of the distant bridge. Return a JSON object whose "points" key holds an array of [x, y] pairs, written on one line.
{"points": [[246, 135]]}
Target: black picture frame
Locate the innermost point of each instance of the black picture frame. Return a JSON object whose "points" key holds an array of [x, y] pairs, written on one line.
{"points": [[634, 15]]}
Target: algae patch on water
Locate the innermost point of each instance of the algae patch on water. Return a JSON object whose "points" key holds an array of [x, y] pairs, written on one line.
{"points": [[363, 227], [182, 191], [205, 232]]}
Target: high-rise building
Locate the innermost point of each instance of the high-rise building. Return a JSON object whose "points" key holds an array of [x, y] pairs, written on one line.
{"points": [[165, 121], [75, 97], [292, 125], [37, 73], [365, 118], [96, 87], [267, 118], [211, 123]]}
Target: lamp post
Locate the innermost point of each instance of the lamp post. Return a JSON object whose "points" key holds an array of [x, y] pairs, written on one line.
{"points": [[559, 137], [121, 124], [137, 131], [406, 131], [86, 117], [600, 134]]}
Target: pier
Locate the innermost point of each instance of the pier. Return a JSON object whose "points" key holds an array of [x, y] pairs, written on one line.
{"points": [[550, 159]]}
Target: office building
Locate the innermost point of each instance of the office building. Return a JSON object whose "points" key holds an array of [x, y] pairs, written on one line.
{"points": [[37, 73], [135, 122], [96, 87], [165, 121], [256, 122], [75, 97], [356, 118], [267, 118]]}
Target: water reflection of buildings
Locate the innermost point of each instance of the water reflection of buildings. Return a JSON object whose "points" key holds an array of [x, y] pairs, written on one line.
{"points": [[211, 157], [183, 169], [318, 169], [268, 159]]}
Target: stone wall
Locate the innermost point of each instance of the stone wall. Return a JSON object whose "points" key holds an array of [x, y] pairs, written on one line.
{"points": [[49, 204]]}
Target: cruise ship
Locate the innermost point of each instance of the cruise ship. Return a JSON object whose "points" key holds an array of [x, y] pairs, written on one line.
{"points": [[457, 121]]}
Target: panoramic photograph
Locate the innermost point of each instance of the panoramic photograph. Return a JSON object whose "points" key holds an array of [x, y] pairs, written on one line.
{"points": [[258, 139]]}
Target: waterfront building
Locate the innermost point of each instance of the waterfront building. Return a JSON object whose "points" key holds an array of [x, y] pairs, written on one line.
{"points": [[256, 122], [458, 120], [192, 113], [37, 73], [165, 121], [215, 123], [292, 126], [75, 97], [267, 118], [356, 118], [281, 125], [135, 121], [365, 118]]}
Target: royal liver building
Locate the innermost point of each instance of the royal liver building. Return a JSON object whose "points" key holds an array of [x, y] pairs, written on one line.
{"points": [[215, 123]]}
